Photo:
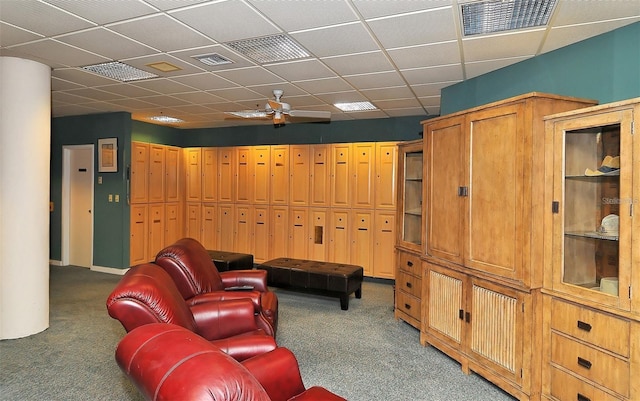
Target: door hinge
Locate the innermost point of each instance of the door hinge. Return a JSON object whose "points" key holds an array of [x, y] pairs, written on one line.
{"points": [[521, 373], [523, 307], [631, 210], [555, 207], [633, 127], [629, 292]]}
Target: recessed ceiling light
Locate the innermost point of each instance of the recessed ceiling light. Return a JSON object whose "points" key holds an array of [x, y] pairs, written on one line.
{"points": [[166, 119], [270, 49], [504, 15], [356, 106], [120, 71], [213, 59], [164, 66]]}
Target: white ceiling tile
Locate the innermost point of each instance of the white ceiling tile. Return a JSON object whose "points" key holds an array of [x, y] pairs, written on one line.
{"points": [[400, 92], [61, 85], [301, 70], [415, 29], [324, 85], [82, 77], [342, 97], [173, 4], [166, 101], [109, 10], [127, 90], [407, 112], [361, 63], [375, 9], [60, 53], [106, 43], [337, 40], [426, 55], [204, 81], [376, 80], [164, 85], [198, 97], [288, 89], [579, 12], [431, 90], [41, 18], [524, 43], [94, 94], [297, 15], [132, 104], [477, 68], [237, 61], [419, 76], [564, 36], [397, 103], [237, 94], [10, 35], [250, 76]]}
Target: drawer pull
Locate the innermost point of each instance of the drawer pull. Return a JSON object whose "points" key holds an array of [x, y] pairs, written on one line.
{"points": [[410, 263], [584, 363], [461, 314], [408, 284], [407, 306], [583, 398], [584, 326]]}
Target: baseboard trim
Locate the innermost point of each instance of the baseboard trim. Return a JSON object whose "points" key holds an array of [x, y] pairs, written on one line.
{"points": [[109, 270], [55, 262]]}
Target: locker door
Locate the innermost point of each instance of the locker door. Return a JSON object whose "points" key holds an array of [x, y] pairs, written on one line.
{"points": [[279, 235], [193, 174], [340, 175], [363, 164], [225, 174], [226, 227], [339, 244], [318, 234], [139, 174], [194, 223], [279, 175], [386, 173], [299, 169], [320, 180], [172, 223], [172, 174], [261, 174], [139, 235], [209, 174], [209, 235], [298, 232], [156, 229], [243, 179], [260, 233], [156, 173], [362, 240], [243, 230], [384, 244]]}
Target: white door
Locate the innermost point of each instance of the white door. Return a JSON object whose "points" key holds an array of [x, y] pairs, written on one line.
{"points": [[77, 202]]}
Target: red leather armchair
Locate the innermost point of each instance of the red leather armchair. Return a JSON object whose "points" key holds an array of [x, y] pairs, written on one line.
{"points": [[167, 362], [146, 294], [191, 268]]}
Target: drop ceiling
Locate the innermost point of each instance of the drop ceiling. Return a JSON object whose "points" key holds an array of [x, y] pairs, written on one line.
{"points": [[396, 54]]}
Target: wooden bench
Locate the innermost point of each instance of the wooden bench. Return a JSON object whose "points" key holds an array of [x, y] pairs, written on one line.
{"points": [[333, 279]]}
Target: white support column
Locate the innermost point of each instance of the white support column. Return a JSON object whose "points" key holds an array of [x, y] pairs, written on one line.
{"points": [[25, 139]]}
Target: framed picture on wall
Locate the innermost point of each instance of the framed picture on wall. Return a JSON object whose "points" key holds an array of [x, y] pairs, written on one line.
{"points": [[108, 155]]}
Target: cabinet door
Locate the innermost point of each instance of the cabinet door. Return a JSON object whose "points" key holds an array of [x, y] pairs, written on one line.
{"points": [[226, 227], [156, 173], [260, 233], [139, 174], [410, 194], [386, 173], [193, 172], [209, 235], [340, 175], [261, 174], [156, 229], [279, 233], [243, 240], [339, 236], [279, 175], [172, 174], [444, 152], [244, 177], [383, 244], [139, 232], [226, 176], [318, 234], [320, 180], [298, 232], [497, 191], [194, 223], [299, 170], [209, 174], [362, 170], [173, 223], [362, 240]]}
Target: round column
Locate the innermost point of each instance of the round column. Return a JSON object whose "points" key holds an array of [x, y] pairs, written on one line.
{"points": [[25, 138]]}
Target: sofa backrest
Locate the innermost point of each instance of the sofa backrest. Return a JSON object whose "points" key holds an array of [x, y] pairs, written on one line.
{"points": [[191, 268], [147, 294]]}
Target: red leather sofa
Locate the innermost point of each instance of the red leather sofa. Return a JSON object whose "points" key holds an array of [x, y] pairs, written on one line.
{"points": [[146, 294], [167, 362], [198, 280]]}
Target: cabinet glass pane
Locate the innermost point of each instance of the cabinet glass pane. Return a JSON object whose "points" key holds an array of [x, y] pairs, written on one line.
{"points": [[591, 208], [413, 198]]}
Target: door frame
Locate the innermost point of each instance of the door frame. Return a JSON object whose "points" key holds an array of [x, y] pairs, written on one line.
{"points": [[67, 150]]}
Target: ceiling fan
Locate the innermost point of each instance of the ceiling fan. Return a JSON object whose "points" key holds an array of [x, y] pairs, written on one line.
{"points": [[281, 112]]}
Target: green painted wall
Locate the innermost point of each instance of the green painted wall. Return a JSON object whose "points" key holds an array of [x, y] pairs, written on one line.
{"points": [[605, 68]]}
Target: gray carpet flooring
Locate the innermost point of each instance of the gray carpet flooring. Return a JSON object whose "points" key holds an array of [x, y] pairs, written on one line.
{"points": [[362, 354]]}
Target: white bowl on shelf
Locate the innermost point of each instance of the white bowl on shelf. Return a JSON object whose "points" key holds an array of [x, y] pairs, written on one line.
{"points": [[609, 285]]}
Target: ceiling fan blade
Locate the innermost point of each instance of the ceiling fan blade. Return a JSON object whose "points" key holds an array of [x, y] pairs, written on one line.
{"points": [[248, 114], [321, 115], [278, 118], [275, 105]]}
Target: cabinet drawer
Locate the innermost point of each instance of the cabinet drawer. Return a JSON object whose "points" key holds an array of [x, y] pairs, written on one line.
{"points": [[410, 263], [566, 387], [409, 284], [604, 331], [408, 304], [597, 366]]}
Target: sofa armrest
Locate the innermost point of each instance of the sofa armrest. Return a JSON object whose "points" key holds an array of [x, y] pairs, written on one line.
{"points": [[278, 372], [245, 278], [222, 319], [216, 296]]}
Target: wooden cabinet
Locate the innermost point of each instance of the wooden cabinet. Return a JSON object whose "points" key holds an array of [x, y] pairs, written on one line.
{"points": [[339, 236], [156, 229], [363, 162], [261, 174], [384, 234], [318, 234], [193, 174], [173, 173], [591, 264], [243, 231], [300, 170], [408, 292], [227, 226], [209, 175], [226, 174], [340, 175], [298, 232], [279, 232], [156, 173], [260, 233], [139, 173], [244, 177], [410, 220], [362, 240], [193, 223], [279, 188], [386, 174], [139, 234], [173, 223], [320, 178], [209, 233]]}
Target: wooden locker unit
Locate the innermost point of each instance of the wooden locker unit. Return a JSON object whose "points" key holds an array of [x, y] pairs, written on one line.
{"points": [[300, 170], [279, 232], [173, 223], [298, 232], [209, 233], [386, 172], [139, 235], [173, 172], [362, 240], [156, 229], [243, 231], [226, 227], [320, 176], [226, 174], [341, 175], [193, 174], [384, 243], [260, 233], [363, 163], [318, 234], [261, 174], [244, 177], [279, 188], [156, 173], [193, 224], [139, 173], [339, 236], [209, 174]]}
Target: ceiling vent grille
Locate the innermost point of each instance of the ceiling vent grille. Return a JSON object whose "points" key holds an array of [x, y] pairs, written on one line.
{"points": [[213, 59], [270, 49], [504, 15], [120, 71]]}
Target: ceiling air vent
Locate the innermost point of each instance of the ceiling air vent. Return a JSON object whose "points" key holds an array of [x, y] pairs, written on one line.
{"points": [[213, 59], [270, 49], [504, 15], [120, 71]]}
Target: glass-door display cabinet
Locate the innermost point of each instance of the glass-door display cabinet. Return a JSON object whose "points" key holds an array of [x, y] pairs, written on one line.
{"points": [[410, 194]]}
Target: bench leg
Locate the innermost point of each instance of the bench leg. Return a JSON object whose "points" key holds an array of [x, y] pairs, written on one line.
{"points": [[344, 301], [359, 292]]}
